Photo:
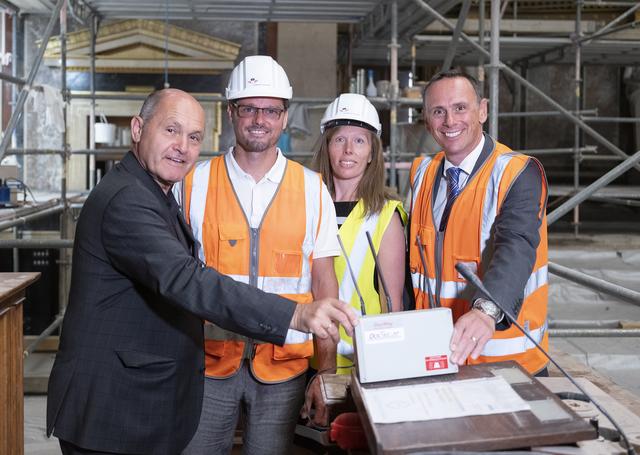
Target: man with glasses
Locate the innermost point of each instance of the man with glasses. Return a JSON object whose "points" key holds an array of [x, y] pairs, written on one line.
{"points": [[269, 222]]}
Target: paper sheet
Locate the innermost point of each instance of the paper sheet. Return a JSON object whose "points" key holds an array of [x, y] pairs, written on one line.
{"points": [[442, 400]]}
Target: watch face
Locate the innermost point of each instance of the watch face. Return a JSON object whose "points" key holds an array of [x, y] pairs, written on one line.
{"points": [[488, 308]]}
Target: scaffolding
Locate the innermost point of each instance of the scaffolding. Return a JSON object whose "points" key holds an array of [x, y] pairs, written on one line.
{"points": [[383, 17]]}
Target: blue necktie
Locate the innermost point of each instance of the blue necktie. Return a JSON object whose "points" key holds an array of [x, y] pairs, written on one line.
{"points": [[452, 193]]}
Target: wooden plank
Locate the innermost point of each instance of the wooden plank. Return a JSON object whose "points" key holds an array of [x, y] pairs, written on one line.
{"points": [[12, 292], [492, 432], [16, 405], [11, 388], [578, 369], [13, 283], [5, 380]]}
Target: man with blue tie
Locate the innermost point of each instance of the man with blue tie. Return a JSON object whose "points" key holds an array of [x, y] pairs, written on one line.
{"points": [[479, 203]]}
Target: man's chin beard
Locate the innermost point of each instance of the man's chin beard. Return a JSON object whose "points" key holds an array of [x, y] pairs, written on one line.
{"points": [[256, 147]]}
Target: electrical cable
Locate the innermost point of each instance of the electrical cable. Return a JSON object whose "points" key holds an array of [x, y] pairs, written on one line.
{"points": [[470, 276], [24, 187]]}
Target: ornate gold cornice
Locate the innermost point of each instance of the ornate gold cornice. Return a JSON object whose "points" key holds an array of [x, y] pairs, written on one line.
{"points": [[183, 43]]}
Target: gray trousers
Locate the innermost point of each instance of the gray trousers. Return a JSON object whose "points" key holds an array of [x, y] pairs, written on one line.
{"points": [[271, 412]]}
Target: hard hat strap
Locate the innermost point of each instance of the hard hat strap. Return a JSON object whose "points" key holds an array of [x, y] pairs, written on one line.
{"points": [[349, 122]]}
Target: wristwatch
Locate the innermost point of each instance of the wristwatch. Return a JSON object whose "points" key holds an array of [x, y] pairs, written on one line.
{"points": [[489, 308]]}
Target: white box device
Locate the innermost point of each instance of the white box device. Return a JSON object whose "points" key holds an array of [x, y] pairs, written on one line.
{"points": [[402, 345]]}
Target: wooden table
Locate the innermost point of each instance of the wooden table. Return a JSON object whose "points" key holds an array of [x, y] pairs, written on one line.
{"points": [[12, 292], [559, 425]]}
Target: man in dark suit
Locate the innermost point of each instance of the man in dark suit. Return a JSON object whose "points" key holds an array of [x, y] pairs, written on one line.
{"points": [[128, 377], [477, 202]]}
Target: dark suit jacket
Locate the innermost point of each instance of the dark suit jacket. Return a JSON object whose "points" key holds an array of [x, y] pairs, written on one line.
{"points": [[128, 377], [515, 235]]}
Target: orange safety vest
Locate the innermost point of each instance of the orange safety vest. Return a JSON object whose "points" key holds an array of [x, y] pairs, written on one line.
{"points": [[467, 239], [276, 258]]}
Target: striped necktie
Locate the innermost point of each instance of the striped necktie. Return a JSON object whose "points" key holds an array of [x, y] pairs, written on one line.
{"points": [[452, 193]]}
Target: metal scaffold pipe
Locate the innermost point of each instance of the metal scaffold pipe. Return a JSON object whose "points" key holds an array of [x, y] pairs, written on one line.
{"points": [[577, 134], [36, 243], [22, 152], [597, 324], [201, 98], [481, 11], [45, 333], [591, 189], [586, 128], [618, 19], [594, 333], [612, 119], [546, 113], [12, 79], [92, 107], [596, 284], [28, 210], [558, 151], [22, 98], [453, 45], [34, 216], [393, 114], [494, 68]]}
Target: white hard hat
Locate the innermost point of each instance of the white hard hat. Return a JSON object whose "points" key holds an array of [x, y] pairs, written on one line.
{"points": [[258, 76], [351, 109]]}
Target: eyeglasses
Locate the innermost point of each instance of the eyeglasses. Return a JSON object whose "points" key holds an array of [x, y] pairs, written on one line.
{"points": [[246, 111]]}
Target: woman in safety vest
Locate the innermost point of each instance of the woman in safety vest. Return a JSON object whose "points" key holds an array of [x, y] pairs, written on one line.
{"points": [[349, 157]]}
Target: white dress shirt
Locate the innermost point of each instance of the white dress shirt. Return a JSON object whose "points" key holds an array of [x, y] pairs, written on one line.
{"points": [[255, 198], [466, 166]]}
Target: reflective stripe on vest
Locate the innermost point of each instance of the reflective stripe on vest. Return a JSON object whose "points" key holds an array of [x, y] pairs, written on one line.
{"points": [[537, 279], [495, 178], [278, 285], [198, 202], [353, 234], [508, 346], [275, 285], [417, 175], [491, 198], [454, 289], [357, 254]]}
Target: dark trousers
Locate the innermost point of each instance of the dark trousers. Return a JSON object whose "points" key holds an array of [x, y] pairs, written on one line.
{"points": [[72, 449]]}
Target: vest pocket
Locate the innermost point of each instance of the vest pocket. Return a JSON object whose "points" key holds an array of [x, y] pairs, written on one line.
{"points": [[287, 263], [470, 262], [293, 351], [214, 348], [427, 239], [232, 249]]}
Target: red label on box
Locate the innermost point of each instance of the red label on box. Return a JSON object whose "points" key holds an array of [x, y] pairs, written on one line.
{"points": [[436, 362]]}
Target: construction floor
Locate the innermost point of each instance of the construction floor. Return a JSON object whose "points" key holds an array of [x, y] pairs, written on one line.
{"points": [[615, 258]]}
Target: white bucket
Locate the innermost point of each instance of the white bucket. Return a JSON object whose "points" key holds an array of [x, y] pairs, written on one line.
{"points": [[105, 132]]}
